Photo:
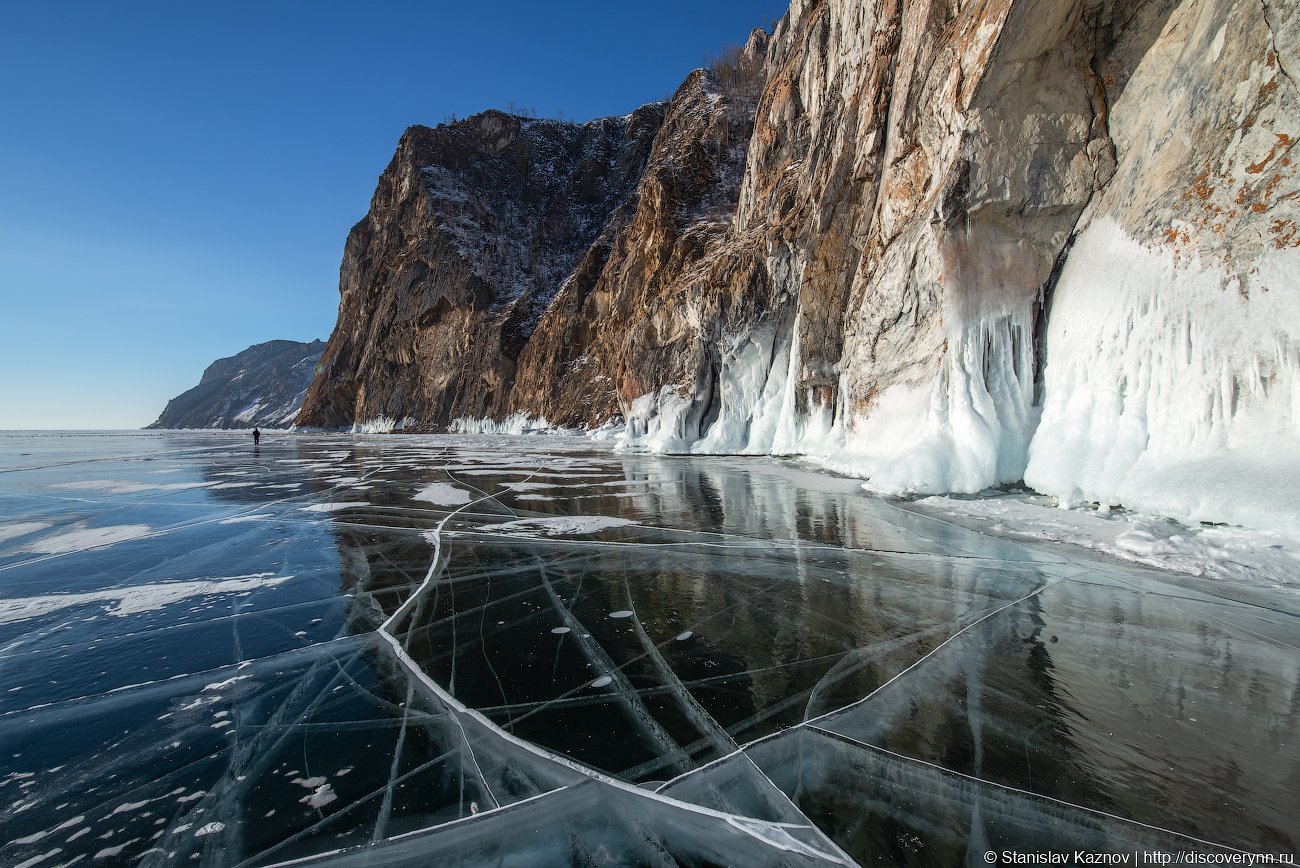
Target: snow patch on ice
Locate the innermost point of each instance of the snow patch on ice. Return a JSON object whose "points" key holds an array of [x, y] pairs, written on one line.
{"points": [[114, 486], [565, 526], [333, 507], [240, 519], [38, 859], [323, 795], [444, 494], [16, 529], [1224, 553], [129, 807], [79, 538], [135, 599], [109, 852], [222, 685]]}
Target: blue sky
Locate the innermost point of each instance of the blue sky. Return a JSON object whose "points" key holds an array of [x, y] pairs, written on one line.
{"points": [[177, 179]]}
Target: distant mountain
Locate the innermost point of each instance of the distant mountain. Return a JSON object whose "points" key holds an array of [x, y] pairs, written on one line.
{"points": [[262, 386]]}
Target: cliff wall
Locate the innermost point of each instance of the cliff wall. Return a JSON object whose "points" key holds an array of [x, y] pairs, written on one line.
{"points": [[942, 246]]}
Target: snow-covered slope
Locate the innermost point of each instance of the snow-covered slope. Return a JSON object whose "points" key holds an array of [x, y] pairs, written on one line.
{"points": [[262, 386]]}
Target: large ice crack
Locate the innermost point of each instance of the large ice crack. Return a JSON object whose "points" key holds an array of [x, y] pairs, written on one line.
{"points": [[769, 834]]}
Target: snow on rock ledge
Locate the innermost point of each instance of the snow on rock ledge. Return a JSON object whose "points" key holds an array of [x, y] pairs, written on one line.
{"points": [[1169, 388]]}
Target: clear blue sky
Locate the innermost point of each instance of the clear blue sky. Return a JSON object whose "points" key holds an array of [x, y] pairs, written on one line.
{"points": [[177, 179]]}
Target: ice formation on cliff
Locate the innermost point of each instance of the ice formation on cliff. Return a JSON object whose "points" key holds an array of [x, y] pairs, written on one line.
{"points": [[1172, 387]]}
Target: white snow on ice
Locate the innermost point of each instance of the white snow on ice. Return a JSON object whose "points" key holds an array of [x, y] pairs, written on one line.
{"points": [[566, 526], [333, 507], [117, 486], [240, 519], [16, 529], [135, 599], [444, 494], [1225, 553], [79, 537], [323, 795]]}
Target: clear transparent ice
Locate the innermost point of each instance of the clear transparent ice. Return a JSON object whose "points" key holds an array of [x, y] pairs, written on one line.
{"points": [[534, 650]]}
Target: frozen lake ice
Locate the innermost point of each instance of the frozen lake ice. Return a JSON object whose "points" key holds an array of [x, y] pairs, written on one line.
{"points": [[534, 650]]}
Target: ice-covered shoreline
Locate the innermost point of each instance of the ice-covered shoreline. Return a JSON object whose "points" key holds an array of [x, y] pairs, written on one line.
{"points": [[1221, 551]]}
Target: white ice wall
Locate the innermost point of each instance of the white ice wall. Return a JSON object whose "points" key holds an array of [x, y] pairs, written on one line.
{"points": [[1171, 387], [965, 431], [517, 423]]}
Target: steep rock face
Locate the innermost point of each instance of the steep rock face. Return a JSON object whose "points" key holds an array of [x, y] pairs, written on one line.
{"points": [[952, 221], [915, 170], [262, 386], [644, 307], [472, 229], [953, 196]]}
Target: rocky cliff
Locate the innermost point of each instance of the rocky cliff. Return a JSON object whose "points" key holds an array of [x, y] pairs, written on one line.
{"points": [[263, 386], [472, 230], [940, 246]]}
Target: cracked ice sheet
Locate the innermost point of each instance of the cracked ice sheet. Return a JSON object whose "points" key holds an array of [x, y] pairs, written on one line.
{"points": [[299, 722], [887, 810], [1115, 699], [760, 596], [148, 610], [625, 693], [595, 820]]}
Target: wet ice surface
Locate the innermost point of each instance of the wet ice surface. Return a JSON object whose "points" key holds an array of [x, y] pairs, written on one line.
{"points": [[536, 651]]}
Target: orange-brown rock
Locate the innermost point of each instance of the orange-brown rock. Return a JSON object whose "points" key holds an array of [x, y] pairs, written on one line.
{"points": [[472, 229]]}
